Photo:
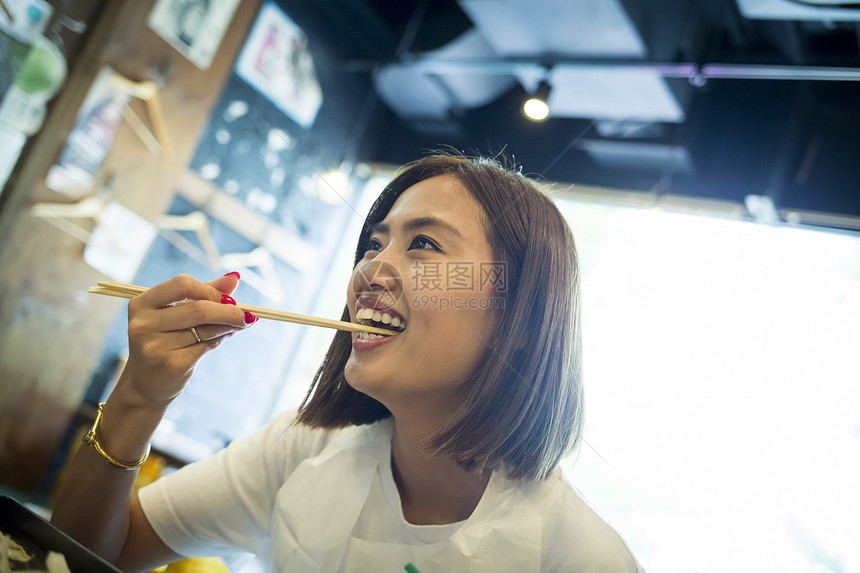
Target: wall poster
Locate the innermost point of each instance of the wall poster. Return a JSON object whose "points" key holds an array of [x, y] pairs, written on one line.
{"points": [[194, 27], [276, 62]]}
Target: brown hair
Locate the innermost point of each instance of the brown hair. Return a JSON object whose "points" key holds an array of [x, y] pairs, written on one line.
{"points": [[523, 407]]}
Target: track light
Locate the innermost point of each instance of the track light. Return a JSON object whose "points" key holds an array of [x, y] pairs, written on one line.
{"points": [[536, 108]]}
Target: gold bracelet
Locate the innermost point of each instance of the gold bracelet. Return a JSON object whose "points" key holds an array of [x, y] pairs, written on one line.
{"points": [[91, 440]]}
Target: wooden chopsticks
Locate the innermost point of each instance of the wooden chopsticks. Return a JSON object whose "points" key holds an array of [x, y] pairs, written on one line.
{"points": [[123, 290]]}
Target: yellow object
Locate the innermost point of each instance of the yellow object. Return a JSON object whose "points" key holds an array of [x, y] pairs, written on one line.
{"points": [[91, 440], [196, 565], [151, 470]]}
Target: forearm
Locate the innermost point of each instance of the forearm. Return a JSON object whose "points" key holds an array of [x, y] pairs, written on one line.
{"points": [[93, 501]]}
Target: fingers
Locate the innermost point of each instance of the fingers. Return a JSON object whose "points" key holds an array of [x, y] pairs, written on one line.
{"points": [[188, 352], [227, 283], [199, 312], [163, 316], [163, 349], [178, 289], [204, 334]]}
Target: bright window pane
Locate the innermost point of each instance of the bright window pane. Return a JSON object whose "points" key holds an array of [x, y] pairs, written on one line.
{"points": [[722, 389]]}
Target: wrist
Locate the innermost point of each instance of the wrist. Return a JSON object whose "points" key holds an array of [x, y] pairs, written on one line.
{"points": [[91, 439], [143, 387], [125, 428]]}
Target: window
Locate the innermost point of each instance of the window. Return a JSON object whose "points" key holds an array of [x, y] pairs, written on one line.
{"points": [[722, 390]]}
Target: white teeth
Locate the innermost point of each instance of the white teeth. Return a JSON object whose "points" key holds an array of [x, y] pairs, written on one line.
{"points": [[368, 336], [365, 315]]}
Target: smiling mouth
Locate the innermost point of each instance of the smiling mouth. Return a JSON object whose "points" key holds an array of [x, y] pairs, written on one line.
{"points": [[373, 317]]}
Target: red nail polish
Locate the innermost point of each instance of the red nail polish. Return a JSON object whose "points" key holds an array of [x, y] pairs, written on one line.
{"points": [[250, 318], [227, 299], [238, 276]]}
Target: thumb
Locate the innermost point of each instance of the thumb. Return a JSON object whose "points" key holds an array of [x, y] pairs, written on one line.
{"points": [[226, 284]]}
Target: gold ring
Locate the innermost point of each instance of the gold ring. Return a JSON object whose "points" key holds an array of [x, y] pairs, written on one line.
{"points": [[194, 332]]}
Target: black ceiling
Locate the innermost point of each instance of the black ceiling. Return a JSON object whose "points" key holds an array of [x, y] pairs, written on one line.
{"points": [[795, 141]]}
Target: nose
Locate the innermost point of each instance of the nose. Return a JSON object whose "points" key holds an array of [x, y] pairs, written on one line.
{"points": [[378, 278], [376, 274]]}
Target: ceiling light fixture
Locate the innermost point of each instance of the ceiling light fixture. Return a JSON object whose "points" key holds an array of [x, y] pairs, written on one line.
{"points": [[535, 108]]}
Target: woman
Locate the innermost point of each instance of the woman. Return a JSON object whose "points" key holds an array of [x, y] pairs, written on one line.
{"points": [[437, 446]]}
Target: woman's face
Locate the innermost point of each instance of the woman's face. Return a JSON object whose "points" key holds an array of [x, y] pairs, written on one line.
{"points": [[427, 265]]}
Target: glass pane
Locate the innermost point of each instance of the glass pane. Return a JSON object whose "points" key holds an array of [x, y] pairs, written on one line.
{"points": [[720, 359]]}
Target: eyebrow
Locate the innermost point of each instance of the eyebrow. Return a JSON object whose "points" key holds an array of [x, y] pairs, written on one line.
{"points": [[419, 223]]}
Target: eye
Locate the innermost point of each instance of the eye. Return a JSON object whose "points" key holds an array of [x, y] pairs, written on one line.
{"points": [[373, 244], [422, 242]]}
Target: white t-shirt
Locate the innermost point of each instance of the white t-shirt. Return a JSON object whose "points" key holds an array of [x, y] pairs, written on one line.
{"points": [[316, 500]]}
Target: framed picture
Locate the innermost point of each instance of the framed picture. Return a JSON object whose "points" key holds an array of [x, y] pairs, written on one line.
{"points": [[276, 62], [194, 27]]}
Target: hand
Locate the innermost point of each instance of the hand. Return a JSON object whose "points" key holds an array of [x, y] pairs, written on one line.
{"points": [[163, 352]]}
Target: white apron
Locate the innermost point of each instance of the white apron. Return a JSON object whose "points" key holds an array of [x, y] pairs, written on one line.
{"points": [[314, 528]]}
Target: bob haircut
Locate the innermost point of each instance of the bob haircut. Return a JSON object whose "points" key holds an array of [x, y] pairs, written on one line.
{"points": [[522, 408]]}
